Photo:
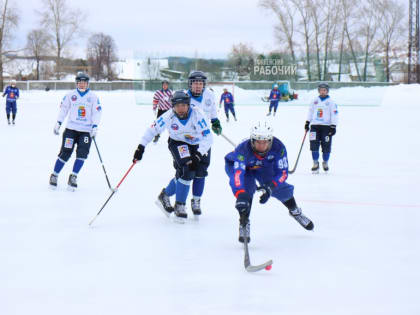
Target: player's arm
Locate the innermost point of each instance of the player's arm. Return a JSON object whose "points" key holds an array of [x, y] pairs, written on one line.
{"points": [[96, 116], [334, 114], [237, 177], [17, 93], [155, 101], [64, 109], [281, 167], [310, 111], [207, 138]]}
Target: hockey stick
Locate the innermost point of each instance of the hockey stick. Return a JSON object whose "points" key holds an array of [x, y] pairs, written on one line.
{"points": [[102, 163], [228, 140], [247, 262], [265, 99], [301, 146], [113, 192]]}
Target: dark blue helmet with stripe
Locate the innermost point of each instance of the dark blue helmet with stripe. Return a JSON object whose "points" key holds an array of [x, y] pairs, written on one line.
{"points": [[197, 76]]}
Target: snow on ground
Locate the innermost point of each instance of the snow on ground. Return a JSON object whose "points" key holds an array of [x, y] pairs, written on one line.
{"points": [[362, 258]]}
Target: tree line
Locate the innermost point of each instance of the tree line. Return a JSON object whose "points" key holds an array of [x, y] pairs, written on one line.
{"points": [[59, 26]]}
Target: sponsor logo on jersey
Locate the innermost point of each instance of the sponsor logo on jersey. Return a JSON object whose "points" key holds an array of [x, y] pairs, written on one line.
{"points": [[283, 177], [68, 143], [320, 113], [335, 112], [274, 96], [270, 157], [74, 98], [316, 103], [174, 127], [81, 111], [98, 108], [238, 178], [183, 151], [12, 95], [208, 102], [241, 157], [191, 138]]}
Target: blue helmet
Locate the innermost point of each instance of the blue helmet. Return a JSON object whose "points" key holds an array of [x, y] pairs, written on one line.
{"points": [[196, 76]]}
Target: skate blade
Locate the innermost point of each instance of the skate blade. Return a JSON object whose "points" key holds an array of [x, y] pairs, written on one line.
{"points": [[196, 217], [162, 208], [52, 187], [70, 188], [315, 172], [179, 220]]}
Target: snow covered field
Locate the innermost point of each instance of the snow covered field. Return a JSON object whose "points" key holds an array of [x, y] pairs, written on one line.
{"points": [[362, 257]]}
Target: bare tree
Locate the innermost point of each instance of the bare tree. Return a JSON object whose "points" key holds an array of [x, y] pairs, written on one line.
{"points": [[284, 31], [101, 53], [331, 14], [38, 45], [64, 24], [241, 58], [391, 15], [9, 21]]}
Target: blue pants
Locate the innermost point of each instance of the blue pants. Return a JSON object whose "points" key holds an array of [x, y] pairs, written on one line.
{"points": [[274, 104], [282, 192], [229, 107], [11, 107]]}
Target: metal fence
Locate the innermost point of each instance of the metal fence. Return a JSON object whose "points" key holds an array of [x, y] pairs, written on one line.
{"points": [[146, 85]]}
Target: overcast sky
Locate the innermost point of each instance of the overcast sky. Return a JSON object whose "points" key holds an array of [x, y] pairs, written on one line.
{"points": [[167, 28]]}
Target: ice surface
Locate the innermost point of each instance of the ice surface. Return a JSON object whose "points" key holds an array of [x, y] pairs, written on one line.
{"points": [[362, 257]]}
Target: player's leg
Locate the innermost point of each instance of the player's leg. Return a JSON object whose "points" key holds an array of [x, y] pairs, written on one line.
{"points": [[250, 188], [8, 110], [67, 147], [275, 108], [270, 108], [315, 142], [232, 109], [14, 111], [226, 107], [326, 142], [284, 193], [199, 182], [84, 142]]}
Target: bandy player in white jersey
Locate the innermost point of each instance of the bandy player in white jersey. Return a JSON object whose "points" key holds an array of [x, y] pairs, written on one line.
{"points": [[189, 142], [83, 109], [203, 98]]}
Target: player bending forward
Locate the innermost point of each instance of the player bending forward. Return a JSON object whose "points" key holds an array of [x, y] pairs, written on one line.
{"points": [[189, 142], [262, 159]]}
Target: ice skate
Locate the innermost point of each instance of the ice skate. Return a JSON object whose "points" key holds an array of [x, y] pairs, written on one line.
{"points": [[72, 182], [315, 168], [301, 219], [244, 231], [196, 208], [269, 114], [180, 213], [227, 119], [13, 122], [274, 114], [234, 117], [53, 181], [164, 203], [325, 166], [8, 121]]}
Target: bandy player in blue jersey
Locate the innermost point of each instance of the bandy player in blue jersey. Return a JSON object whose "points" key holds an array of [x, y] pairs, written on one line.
{"points": [[261, 159], [227, 99], [12, 93]]}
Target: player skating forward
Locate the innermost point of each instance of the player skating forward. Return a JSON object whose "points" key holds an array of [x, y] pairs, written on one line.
{"points": [[275, 96], [83, 110], [189, 142], [203, 98], [262, 159], [227, 99], [323, 119], [12, 93], [162, 102]]}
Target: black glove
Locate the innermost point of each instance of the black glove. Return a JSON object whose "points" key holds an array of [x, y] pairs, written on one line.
{"points": [[307, 125], [195, 160], [332, 130], [267, 190], [243, 203], [216, 126], [139, 153]]}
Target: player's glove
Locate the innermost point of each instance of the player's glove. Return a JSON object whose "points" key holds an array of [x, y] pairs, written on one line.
{"points": [[216, 126], [139, 153], [243, 203], [307, 125], [57, 128], [195, 160], [332, 130], [267, 190], [94, 131]]}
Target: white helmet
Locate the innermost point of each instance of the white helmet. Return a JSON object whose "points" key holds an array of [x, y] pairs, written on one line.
{"points": [[262, 130], [13, 82]]}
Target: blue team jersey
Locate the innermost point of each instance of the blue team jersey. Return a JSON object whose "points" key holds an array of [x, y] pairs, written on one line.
{"points": [[275, 95], [227, 98], [12, 93], [273, 167]]}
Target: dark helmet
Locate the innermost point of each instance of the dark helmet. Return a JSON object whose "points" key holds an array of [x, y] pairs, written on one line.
{"points": [[165, 81], [180, 97], [194, 77], [324, 86], [81, 76]]}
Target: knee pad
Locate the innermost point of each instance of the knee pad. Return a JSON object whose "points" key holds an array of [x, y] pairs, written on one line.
{"points": [[65, 154], [186, 173], [314, 145]]}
